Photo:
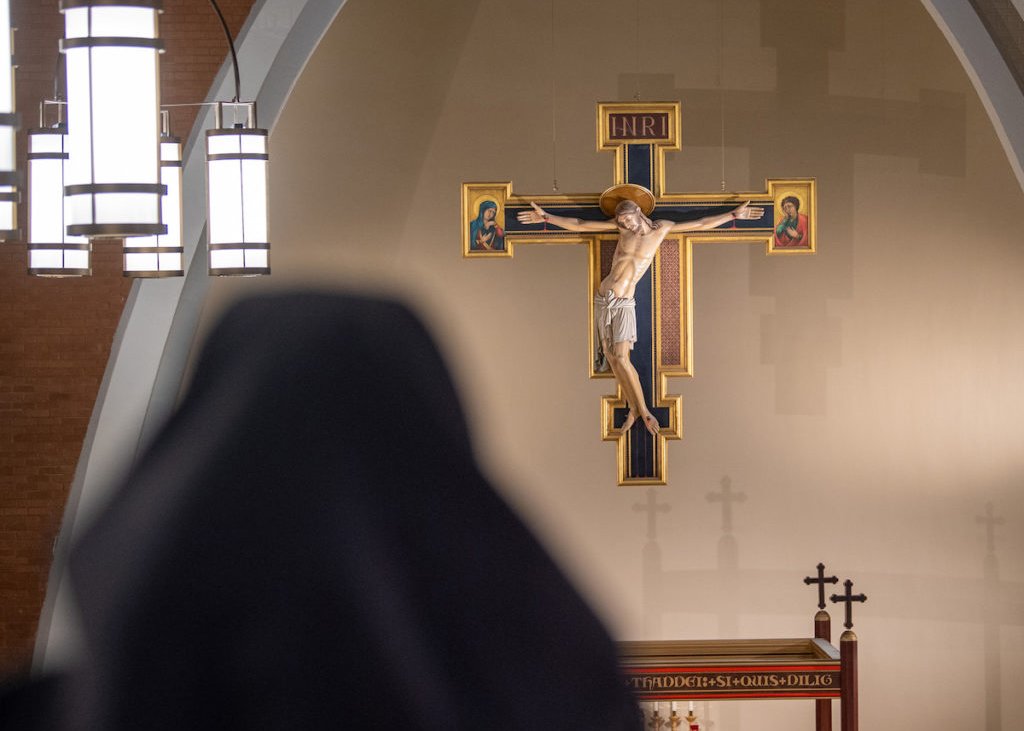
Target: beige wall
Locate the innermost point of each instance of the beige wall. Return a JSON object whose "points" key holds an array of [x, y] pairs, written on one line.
{"points": [[865, 401]]}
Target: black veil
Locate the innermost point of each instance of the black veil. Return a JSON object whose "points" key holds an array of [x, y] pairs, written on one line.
{"points": [[309, 543]]}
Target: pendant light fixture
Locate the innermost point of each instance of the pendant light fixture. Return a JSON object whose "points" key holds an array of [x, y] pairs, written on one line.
{"points": [[51, 251], [114, 171], [9, 123], [236, 185], [112, 49]]}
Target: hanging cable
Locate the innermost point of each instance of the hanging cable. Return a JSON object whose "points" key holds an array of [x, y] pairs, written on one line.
{"points": [[721, 82], [231, 46], [636, 91], [554, 96]]}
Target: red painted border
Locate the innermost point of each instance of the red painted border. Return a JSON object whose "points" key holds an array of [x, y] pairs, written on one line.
{"points": [[834, 667]]}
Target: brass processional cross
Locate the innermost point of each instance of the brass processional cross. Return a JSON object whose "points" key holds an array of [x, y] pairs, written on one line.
{"points": [[639, 134]]}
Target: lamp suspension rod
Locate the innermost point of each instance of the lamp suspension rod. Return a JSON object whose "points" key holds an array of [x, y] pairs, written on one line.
{"points": [[59, 75], [58, 97], [190, 104], [46, 103], [231, 46]]}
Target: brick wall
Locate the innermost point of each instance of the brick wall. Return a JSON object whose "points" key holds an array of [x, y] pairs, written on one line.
{"points": [[55, 334]]}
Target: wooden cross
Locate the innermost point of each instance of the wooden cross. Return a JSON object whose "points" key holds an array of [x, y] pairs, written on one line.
{"points": [[821, 581], [727, 497], [652, 508], [848, 598], [990, 522], [639, 135]]}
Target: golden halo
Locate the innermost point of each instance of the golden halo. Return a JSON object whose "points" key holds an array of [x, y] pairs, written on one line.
{"points": [[627, 192], [799, 195]]}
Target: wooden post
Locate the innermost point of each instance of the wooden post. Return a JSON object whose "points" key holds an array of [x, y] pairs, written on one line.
{"points": [[822, 631], [848, 680], [823, 706]]}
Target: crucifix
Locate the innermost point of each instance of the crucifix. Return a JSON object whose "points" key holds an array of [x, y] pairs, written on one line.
{"points": [[848, 598], [639, 134], [821, 580]]}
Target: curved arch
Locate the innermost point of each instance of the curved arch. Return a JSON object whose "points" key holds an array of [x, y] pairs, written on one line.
{"points": [[996, 87]]}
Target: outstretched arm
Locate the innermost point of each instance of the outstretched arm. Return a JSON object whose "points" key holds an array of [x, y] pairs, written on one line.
{"points": [[744, 212], [539, 215]]}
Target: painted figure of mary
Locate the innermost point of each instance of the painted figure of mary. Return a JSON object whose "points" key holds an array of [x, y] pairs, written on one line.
{"points": [[484, 233]]}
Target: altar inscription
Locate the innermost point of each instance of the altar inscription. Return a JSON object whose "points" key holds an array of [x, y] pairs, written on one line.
{"points": [[652, 684]]}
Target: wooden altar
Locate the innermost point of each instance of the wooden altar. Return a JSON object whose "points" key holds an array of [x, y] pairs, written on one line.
{"points": [[812, 668]]}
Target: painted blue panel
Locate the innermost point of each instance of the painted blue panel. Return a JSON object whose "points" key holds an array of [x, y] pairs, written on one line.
{"points": [[583, 212], [640, 165], [691, 212]]}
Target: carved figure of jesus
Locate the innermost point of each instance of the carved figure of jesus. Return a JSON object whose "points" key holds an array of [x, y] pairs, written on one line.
{"points": [[614, 306]]}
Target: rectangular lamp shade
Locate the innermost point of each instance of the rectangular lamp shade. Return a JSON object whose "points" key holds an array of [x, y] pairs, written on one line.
{"points": [[51, 252], [111, 49], [236, 184], [161, 255], [9, 178]]}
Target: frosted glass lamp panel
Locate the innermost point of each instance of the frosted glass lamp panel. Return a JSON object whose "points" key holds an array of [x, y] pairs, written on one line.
{"points": [[45, 259], [223, 144], [76, 259], [79, 120], [172, 207], [79, 207], [109, 21], [227, 259], [76, 22], [8, 209], [46, 141], [254, 203], [123, 22], [116, 208], [126, 118], [254, 144], [140, 262], [6, 67], [257, 259], [225, 181], [7, 147], [46, 200]]}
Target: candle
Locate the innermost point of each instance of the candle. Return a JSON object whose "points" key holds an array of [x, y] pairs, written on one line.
{"points": [[691, 706]]}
